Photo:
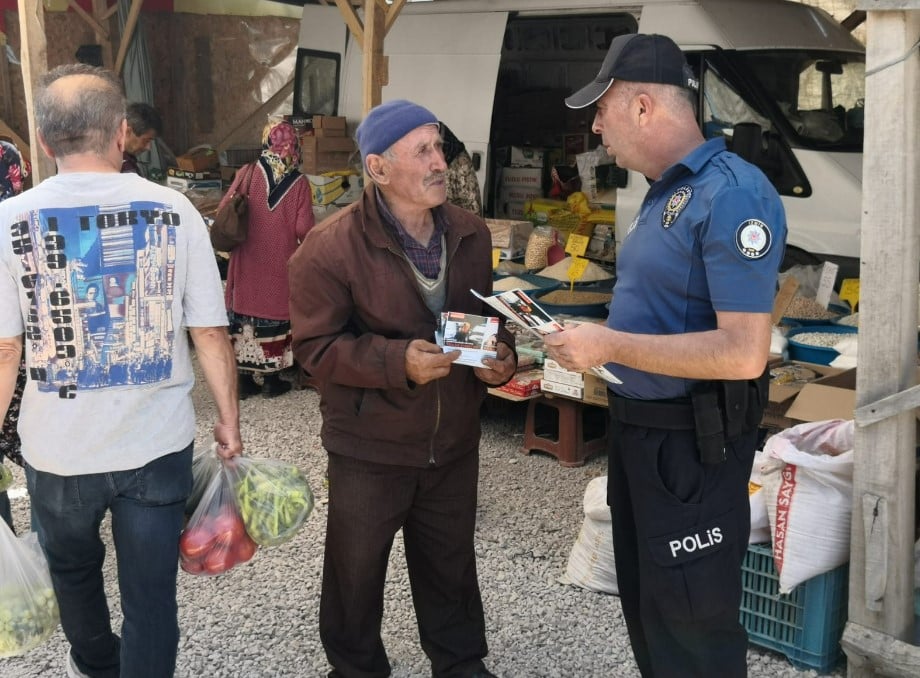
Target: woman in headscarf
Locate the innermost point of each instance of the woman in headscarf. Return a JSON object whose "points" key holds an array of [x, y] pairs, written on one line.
{"points": [[13, 170], [280, 214]]}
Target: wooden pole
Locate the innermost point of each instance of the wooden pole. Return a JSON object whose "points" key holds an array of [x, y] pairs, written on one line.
{"points": [[130, 24], [33, 53], [100, 12], [882, 533], [374, 67]]}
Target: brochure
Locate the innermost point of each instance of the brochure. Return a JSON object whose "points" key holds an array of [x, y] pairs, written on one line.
{"points": [[473, 335], [518, 307]]}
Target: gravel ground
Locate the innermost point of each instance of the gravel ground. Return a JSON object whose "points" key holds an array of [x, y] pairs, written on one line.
{"points": [[260, 619]]}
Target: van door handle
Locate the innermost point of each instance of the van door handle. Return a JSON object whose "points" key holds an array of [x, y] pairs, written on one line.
{"points": [[477, 160]]}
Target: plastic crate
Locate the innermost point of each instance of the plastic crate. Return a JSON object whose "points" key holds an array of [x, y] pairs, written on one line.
{"points": [[806, 624]]}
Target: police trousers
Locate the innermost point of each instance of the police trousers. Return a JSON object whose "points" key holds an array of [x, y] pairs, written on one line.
{"points": [[680, 533]]}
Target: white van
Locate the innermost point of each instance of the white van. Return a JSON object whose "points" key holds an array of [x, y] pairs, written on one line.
{"points": [[782, 80]]}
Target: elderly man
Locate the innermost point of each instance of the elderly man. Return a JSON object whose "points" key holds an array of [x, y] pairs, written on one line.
{"points": [[689, 335], [107, 422], [400, 421]]}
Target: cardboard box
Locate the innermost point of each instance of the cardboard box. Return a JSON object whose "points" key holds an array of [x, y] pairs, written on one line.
{"points": [[328, 132], [523, 178], [595, 390], [779, 413], [561, 389], [523, 384], [330, 122], [193, 184], [511, 209], [509, 233], [325, 190], [831, 397], [185, 174], [324, 154], [199, 160], [560, 375], [520, 156]]}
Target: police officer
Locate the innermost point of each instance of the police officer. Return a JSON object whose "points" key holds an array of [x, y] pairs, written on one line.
{"points": [[688, 335]]}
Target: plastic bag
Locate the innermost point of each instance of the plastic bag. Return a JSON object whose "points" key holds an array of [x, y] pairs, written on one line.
{"points": [[205, 465], [28, 609], [808, 479], [215, 539], [273, 498]]}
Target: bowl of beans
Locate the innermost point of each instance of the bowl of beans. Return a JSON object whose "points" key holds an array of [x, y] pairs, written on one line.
{"points": [[807, 311], [815, 343]]}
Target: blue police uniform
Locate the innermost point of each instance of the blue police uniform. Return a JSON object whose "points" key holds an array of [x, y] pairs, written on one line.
{"points": [[709, 237]]}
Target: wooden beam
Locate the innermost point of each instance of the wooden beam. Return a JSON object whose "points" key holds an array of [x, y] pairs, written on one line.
{"points": [[374, 67], [127, 34], [392, 13], [33, 54], [352, 20], [97, 27], [857, 18], [103, 14], [881, 584], [877, 654], [6, 91], [265, 108]]}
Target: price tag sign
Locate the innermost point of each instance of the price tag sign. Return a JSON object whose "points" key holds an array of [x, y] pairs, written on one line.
{"points": [[577, 268], [849, 292], [826, 283], [496, 256], [577, 245]]}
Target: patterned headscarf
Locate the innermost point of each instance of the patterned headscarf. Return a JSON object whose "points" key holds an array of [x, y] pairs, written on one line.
{"points": [[280, 159], [13, 169]]}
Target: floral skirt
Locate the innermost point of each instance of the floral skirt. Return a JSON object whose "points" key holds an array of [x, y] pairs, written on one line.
{"points": [[260, 345]]}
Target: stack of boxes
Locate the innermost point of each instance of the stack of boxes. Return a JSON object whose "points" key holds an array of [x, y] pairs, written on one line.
{"points": [[198, 169], [325, 145], [584, 386], [520, 179]]}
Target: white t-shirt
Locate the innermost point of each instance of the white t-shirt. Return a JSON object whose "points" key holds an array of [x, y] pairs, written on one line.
{"points": [[104, 273]]}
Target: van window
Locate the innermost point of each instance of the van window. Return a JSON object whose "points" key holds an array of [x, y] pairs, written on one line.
{"points": [[819, 94], [316, 82]]}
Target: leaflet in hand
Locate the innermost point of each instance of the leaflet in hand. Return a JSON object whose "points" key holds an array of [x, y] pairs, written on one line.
{"points": [[473, 335], [518, 307]]}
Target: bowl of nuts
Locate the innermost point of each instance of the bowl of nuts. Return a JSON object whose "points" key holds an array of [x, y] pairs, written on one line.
{"points": [[807, 311], [815, 343]]}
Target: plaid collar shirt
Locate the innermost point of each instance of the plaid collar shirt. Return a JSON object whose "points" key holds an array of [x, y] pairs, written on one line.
{"points": [[426, 258]]}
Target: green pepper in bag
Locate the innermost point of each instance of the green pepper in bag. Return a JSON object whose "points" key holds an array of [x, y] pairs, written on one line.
{"points": [[273, 498]]}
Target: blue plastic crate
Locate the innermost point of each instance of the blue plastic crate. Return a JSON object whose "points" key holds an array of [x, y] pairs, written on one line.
{"points": [[806, 624]]}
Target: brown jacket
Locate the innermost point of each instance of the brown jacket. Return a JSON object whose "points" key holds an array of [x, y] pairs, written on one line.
{"points": [[355, 306]]}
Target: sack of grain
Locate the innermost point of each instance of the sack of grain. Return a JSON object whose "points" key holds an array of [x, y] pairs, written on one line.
{"points": [[591, 563], [808, 479]]}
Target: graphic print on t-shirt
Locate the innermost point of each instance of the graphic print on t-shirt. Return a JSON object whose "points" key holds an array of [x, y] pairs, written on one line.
{"points": [[100, 283]]}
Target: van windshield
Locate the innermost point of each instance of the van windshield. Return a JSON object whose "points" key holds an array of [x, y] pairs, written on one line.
{"points": [[820, 94]]}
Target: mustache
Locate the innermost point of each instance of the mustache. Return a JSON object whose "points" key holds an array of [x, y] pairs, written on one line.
{"points": [[434, 177]]}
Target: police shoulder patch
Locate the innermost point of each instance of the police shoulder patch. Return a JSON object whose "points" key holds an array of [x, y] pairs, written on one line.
{"points": [[753, 239], [676, 203]]}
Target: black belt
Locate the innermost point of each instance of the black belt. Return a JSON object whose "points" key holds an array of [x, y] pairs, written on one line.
{"points": [[669, 415]]}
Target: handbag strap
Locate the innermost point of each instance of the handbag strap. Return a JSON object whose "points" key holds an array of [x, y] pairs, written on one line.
{"points": [[248, 179]]}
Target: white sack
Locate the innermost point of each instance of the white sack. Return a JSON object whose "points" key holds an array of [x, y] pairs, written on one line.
{"points": [[808, 479], [591, 563], [760, 521]]}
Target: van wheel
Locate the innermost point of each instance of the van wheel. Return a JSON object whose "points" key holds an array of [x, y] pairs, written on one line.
{"points": [[798, 257]]}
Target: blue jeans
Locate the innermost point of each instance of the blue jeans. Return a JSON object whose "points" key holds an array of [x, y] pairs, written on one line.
{"points": [[147, 506]]}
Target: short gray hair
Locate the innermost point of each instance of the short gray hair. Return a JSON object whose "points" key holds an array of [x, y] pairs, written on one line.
{"points": [[84, 119]]}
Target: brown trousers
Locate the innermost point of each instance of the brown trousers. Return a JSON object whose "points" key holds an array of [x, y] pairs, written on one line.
{"points": [[436, 510]]}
